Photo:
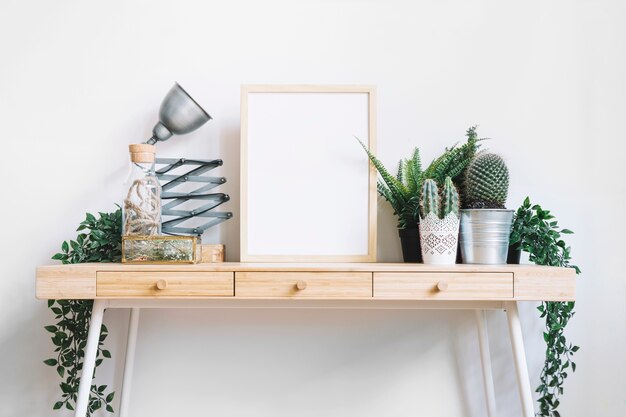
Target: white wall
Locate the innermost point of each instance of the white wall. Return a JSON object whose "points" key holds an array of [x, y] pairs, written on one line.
{"points": [[547, 80]]}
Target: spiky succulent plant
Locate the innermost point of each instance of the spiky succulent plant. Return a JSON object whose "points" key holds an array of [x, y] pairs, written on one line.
{"points": [[402, 191], [486, 182], [439, 204], [455, 160]]}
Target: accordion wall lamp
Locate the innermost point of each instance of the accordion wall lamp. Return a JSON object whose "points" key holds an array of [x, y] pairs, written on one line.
{"points": [[186, 187]]}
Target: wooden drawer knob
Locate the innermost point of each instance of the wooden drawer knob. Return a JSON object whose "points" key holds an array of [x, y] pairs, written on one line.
{"points": [[301, 285], [161, 284], [442, 285]]}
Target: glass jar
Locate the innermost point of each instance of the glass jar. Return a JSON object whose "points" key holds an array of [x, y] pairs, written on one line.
{"points": [[142, 199]]}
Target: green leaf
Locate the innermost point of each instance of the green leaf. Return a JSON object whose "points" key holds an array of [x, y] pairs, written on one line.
{"points": [[109, 397], [57, 405], [398, 190], [50, 362], [69, 333], [109, 409]]}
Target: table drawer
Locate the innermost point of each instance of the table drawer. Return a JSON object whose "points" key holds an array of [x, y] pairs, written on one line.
{"points": [[303, 284], [443, 286], [165, 284]]}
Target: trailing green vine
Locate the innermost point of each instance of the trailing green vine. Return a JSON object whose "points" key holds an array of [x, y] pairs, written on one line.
{"points": [[99, 240], [536, 232]]}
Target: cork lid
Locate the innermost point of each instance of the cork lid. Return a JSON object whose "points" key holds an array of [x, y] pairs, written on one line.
{"points": [[142, 152]]}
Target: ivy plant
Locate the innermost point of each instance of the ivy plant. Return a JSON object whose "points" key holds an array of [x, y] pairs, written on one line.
{"points": [[99, 240], [536, 231]]}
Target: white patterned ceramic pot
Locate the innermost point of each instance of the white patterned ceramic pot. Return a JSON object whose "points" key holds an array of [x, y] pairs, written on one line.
{"points": [[439, 239]]}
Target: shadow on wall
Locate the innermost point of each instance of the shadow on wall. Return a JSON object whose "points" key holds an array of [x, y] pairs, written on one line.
{"points": [[469, 367], [25, 345], [229, 152], [338, 362]]}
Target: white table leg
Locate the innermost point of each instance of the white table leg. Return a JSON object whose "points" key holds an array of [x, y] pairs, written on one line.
{"points": [[485, 359], [519, 356], [129, 362], [89, 361]]}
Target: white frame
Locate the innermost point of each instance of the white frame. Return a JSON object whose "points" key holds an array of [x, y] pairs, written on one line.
{"points": [[370, 256]]}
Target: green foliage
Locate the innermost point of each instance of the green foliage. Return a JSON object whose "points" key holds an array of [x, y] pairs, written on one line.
{"points": [[440, 204], [99, 241], [455, 160], [401, 191], [486, 182], [430, 199], [536, 231], [558, 356], [450, 197]]}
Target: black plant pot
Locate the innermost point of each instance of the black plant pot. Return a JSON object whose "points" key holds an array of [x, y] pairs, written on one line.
{"points": [[459, 258], [514, 255], [411, 248]]}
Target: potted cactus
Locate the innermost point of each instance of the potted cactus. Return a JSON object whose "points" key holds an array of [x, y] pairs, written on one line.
{"points": [[485, 221], [403, 190], [439, 222]]}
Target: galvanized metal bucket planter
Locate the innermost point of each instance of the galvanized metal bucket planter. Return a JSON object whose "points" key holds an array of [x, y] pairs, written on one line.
{"points": [[485, 235]]}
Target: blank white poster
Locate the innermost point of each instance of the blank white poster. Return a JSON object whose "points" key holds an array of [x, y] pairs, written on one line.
{"points": [[307, 178]]}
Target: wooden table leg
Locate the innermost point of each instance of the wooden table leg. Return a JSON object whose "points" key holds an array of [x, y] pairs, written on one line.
{"points": [[129, 362], [89, 361], [485, 359], [519, 356]]}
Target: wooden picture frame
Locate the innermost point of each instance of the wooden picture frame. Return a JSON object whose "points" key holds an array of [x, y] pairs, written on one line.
{"points": [[308, 190]]}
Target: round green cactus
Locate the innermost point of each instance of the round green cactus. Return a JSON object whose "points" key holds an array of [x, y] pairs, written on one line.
{"points": [[486, 182]]}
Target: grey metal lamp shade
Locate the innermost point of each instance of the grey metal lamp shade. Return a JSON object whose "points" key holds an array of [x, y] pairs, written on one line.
{"points": [[179, 114]]}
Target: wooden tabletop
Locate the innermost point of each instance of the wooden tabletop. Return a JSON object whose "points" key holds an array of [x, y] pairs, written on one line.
{"points": [[402, 281]]}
